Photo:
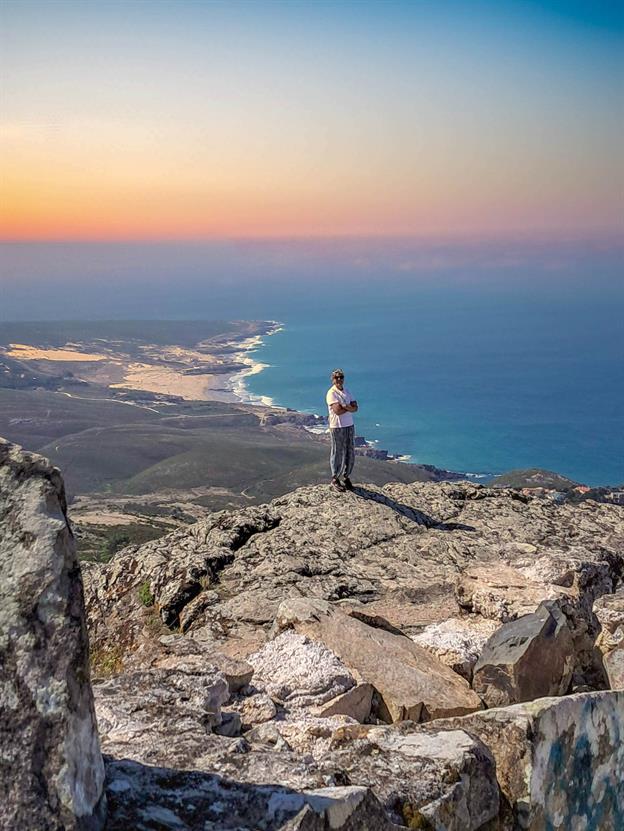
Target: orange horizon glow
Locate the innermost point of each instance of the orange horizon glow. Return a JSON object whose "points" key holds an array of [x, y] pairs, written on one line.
{"points": [[306, 120]]}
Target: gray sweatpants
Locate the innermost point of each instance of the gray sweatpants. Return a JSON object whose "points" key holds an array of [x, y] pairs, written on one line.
{"points": [[342, 455]]}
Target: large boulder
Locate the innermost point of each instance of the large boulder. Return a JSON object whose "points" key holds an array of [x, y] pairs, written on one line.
{"points": [[457, 642], [51, 768], [609, 611], [298, 672], [559, 761], [410, 682], [527, 658], [426, 778], [498, 591]]}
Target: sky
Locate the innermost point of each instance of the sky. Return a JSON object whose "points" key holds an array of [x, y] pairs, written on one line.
{"points": [[179, 120]]}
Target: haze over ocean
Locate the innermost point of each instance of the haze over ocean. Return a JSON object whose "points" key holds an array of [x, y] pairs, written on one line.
{"points": [[478, 358]]}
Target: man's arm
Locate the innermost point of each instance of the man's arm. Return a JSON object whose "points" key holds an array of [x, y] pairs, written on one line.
{"points": [[338, 409]]}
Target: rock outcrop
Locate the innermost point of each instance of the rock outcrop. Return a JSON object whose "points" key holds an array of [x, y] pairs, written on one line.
{"points": [[410, 682], [527, 658], [559, 761], [397, 551], [609, 611], [308, 664], [51, 768]]}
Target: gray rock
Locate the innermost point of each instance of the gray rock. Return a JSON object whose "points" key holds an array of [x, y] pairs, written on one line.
{"points": [[157, 799], [160, 716], [51, 768], [426, 778], [411, 683], [527, 658], [230, 725], [308, 735], [609, 611], [170, 652], [299, 672], [502, 592], [355, 703], [559, 761], [423, 777], [255, 709], [457, 642]]}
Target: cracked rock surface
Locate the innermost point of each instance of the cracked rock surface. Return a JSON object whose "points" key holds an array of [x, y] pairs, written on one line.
{"points": [[51, 768], [399, 552], [306, 664], [330, 616]]}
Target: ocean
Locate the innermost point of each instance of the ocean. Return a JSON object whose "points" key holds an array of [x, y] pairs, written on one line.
{"points": [[478, 379], [476, 358]]}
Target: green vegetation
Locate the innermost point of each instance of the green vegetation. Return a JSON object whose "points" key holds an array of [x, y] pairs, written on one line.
{"points": [[98, 543], [145, 595], [106, 661], [533, 478], [126, 333]]}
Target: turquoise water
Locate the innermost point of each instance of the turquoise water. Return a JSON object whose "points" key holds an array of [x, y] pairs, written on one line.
{"points": [[479, 380], [474, 357]]}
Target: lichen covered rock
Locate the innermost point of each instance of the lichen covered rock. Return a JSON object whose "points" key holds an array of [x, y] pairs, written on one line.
{"points": [[457, 642], [559, 761], [51, 769], [609, 611], [299, 672], [160, 715]]}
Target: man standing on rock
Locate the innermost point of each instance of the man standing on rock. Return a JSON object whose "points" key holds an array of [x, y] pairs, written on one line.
{"points": [[341, 405]]}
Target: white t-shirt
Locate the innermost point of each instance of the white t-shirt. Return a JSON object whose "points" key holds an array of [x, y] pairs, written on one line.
{"points": [[344, 397]]}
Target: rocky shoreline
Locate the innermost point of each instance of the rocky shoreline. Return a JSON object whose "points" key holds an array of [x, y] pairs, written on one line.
{"points": [[434, 655]]}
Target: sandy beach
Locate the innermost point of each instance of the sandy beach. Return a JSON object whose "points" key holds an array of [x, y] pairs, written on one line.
{"points": [[139, 376], [24, 352], [212, 370]]}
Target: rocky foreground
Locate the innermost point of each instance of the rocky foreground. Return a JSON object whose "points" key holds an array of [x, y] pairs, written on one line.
{"points": [[433, 656]]}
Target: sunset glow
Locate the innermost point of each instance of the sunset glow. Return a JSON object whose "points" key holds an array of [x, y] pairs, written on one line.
{"points": [[208, 120]]}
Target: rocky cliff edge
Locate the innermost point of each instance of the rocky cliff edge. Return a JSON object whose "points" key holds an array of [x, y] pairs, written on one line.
{"points": [[440, 656]]}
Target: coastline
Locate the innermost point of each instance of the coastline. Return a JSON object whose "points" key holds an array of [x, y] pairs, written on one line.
{"points": [[216, 368], [366, 447], [211, 369], [237, 382]]}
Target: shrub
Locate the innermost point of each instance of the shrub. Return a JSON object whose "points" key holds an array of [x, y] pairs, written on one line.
{"points": [[106, 662], [145, 595]]}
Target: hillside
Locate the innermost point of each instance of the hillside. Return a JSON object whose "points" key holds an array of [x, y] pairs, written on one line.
{"points": [[533, 478], [224, 452]]}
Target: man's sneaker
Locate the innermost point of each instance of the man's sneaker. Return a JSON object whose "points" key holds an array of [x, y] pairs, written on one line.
{"points": [[348, 484], [337, 485]]}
